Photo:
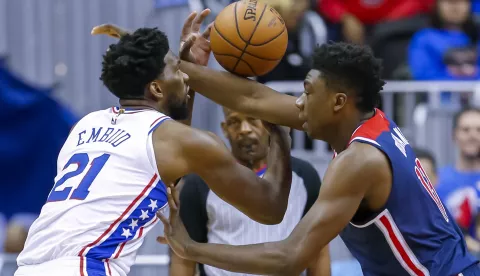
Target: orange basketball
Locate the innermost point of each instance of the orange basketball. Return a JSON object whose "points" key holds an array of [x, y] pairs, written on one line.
{"points": [[249, 38]]}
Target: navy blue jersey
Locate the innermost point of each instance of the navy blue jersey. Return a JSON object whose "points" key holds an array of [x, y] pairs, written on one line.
{"points": [[413, 234]]}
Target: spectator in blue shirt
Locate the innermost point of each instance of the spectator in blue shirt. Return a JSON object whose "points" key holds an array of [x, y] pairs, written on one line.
{"points": [[459, 185], [448, 50]]}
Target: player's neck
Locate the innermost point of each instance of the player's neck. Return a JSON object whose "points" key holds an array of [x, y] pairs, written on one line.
{"points": [[138, 104], [466, 164], [343, 133]]}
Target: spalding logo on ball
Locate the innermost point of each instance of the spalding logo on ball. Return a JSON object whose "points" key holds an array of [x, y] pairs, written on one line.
{"points": [[249, 38]]}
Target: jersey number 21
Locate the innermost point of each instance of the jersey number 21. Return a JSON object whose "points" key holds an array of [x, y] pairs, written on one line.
{"points": [[80, 193]]}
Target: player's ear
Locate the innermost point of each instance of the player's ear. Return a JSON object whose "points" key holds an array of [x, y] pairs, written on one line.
{"points": [[340, 101], [155, 89]]}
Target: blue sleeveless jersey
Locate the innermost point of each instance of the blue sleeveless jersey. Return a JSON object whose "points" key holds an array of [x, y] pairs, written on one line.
{"points": [[413, 234]]}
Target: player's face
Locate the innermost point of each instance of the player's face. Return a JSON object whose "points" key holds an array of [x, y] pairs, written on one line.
{"points": [[173, 85], [467, 134], [317, 105], [247, 136]]}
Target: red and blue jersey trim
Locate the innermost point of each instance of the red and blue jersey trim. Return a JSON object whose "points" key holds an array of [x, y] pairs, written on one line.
{"points": [[116, 110], [261, 171], [371, 129], [139, 214], [157, 123]]}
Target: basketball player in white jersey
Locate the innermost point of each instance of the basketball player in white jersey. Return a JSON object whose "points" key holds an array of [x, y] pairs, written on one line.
{"points": [[113, 166]]}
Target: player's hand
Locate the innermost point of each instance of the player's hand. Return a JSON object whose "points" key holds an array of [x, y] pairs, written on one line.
{"points": [[273, 129], [176, 236], [110, 30], [195, 46]]}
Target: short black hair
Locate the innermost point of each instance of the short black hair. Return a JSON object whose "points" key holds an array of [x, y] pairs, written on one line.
{"points": [[425, 154], [133, 62], [351, 66], [459, 114]]}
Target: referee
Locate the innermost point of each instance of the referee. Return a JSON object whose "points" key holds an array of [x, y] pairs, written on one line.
{"points": [[208, 218]]}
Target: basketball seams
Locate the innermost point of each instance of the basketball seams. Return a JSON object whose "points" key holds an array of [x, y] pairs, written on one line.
{"points": [[238, 48], [268, 41], [251, 36], [266, 59], [236, 24], [232, 48], [249, 66]]}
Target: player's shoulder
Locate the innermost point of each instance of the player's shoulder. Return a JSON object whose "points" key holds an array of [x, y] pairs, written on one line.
{"points": [[362, 157], [173, 131]]}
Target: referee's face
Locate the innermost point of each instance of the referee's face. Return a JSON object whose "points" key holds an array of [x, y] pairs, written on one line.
{"points": [[247, 136]]}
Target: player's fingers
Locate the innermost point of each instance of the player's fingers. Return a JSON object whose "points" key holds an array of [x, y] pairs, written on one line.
{"points": [[208, 30], [187, 26], [198, 21], [176, 196], [162, 240], [185, 47], [171, 202], [163, 219]]}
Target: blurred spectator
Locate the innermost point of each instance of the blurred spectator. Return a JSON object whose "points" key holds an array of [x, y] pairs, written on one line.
{"points": [[34, 127], [357, 16], [476, 6], [306, 30], [449, 49], [428, 163], [459, 185], [208, 218], [17, 231]]}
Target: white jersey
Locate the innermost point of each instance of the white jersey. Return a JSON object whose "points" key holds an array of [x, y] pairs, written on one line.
{"points": [[106, 193]]}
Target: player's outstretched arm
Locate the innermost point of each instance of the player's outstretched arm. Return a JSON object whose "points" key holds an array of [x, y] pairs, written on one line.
{"points": [[181, 150], [243, 95], [181, 267], [347, 181]]}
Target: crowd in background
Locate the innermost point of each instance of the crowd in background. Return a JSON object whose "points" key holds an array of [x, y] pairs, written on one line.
{"points": [[417, 39]]}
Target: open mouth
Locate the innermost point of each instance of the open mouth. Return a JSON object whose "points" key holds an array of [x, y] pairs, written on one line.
{"points": [[248, 147]]}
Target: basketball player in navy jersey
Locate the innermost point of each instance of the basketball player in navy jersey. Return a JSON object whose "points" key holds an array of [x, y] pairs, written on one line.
{"points": [[375, 193]]}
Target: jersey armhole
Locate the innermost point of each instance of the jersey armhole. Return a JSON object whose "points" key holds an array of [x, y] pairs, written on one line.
{"points": [[373, 214], [150, 150], [366, 141]]}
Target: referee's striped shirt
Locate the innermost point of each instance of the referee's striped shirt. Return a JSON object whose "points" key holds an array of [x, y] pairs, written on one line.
{"points": [[208, 218]]}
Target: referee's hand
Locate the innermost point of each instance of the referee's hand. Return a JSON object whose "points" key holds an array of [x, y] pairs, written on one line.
{"points": [[175, 234]]}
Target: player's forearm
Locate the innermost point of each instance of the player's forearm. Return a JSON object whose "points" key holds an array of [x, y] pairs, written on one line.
{"points": [[321, 266], [181, 267], [222, 87], [264, 259], [279, 173]]}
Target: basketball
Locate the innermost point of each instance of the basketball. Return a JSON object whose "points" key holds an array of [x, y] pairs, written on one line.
{"points": [[249, 38]]}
